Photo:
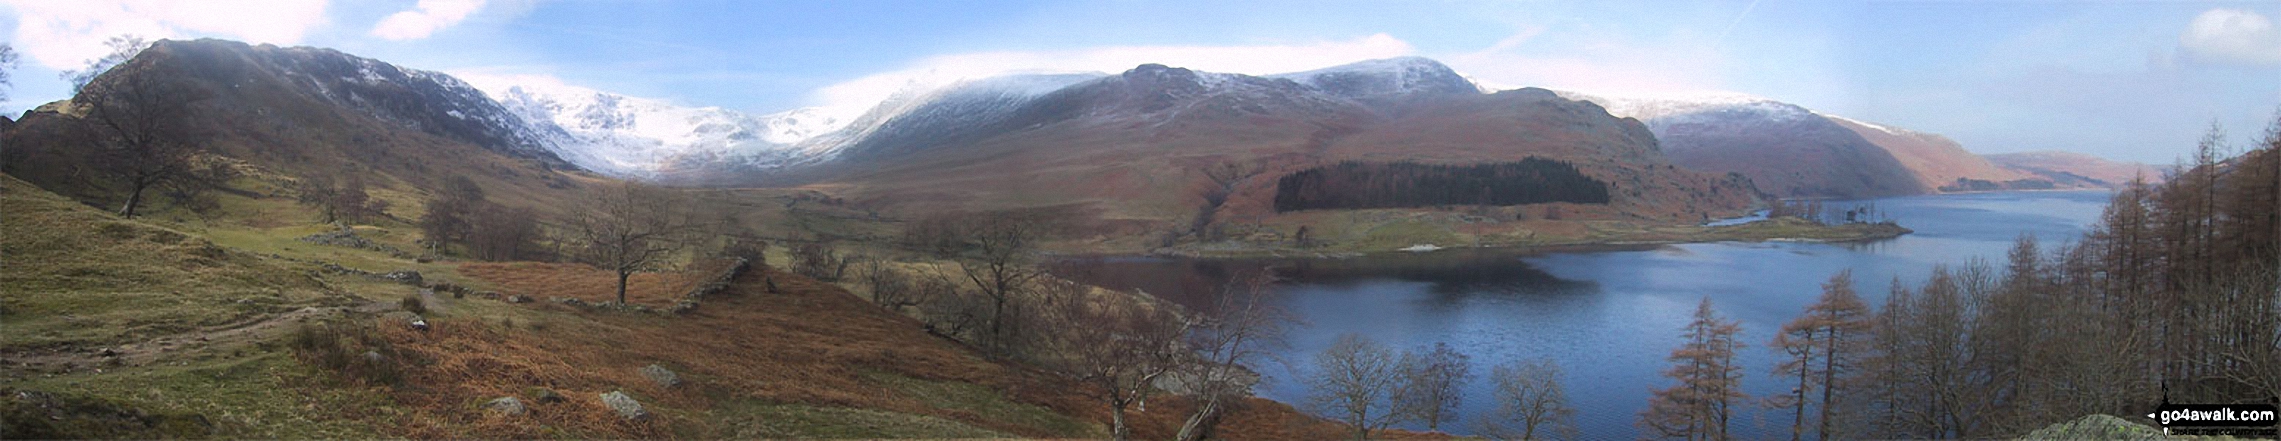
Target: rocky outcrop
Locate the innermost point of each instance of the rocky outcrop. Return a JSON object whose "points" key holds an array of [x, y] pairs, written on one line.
{"points": [[624, 405], [509, 406], [660, 375]]}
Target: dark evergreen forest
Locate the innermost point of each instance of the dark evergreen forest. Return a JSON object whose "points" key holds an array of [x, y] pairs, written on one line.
{"points": [[1353, 185]]}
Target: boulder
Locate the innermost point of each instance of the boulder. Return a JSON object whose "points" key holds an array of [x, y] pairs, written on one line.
{"points": [[661, 376], [624, 405], [408, 277], [509, 406]]}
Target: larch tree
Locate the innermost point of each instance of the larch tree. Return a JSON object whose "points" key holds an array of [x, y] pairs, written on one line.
{"points": [[1818, 347], [1701, 405]]}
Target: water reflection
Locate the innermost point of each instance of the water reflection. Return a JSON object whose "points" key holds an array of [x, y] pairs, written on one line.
{"points": [[1608, 316]]}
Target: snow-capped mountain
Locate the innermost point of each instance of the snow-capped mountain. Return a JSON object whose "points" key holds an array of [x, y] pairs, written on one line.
{"points": [[642, 137], [1385, 78]]}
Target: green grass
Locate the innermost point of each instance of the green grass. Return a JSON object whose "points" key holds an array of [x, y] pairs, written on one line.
{"points": [[985, 402], [79, 276], [261, 395]]}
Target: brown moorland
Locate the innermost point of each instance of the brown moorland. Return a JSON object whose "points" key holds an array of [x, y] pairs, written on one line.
{"points": [[811, 344]]}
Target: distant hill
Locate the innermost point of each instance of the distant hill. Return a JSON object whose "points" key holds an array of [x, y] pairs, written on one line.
{"points": [[1793, 151], [2077, 168]]}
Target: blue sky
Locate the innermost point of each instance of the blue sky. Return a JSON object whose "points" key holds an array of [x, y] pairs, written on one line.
{"points": [[2128, 80]]}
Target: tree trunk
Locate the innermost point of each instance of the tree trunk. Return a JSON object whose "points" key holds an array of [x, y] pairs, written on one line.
{"points": [[134, 199], [1200, 425], [1117, 429], [622, 275]]}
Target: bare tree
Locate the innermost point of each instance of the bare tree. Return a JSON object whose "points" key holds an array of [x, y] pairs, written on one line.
{"points": [[140, 125], [1530, 398], [450, 212], [498, 232], [1699, 407], [1240, 328], [1117, 348], [997, 260], [1354, 380], [123, 48], [628, 227], [1432, 382]]}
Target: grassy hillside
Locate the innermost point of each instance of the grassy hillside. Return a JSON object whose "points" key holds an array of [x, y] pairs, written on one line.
{"points": [[154, 328]]}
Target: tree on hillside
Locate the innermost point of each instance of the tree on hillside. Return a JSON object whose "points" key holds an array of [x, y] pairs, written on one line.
{"points": [[498, 232], [1529, 398], [450, 212], [139, 125], [1239, 329], [1117, 347], [628, 227], [1354, 381], [343, 200], [1700, 406], [1818, 347], [1431, 386], [997, 259]]}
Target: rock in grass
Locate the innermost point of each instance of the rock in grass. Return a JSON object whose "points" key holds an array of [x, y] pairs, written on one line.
{"points": [[625, 405], [509, 406], [660, 375]]}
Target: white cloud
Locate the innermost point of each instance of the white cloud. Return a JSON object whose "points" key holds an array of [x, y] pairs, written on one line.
{"points": [[425, 19], [1596, 62], [859, 94], [65, 34], [2232, 36]]}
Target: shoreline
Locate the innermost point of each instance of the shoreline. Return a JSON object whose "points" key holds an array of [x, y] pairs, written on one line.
{"points": [[1644, 238]]}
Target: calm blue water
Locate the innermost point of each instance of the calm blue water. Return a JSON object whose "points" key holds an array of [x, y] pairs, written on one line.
{"points": [[1608, 317]]}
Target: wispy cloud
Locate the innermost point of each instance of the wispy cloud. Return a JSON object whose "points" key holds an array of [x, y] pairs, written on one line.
{"points": [[2232, 36], [425, 19], [65, 34]]}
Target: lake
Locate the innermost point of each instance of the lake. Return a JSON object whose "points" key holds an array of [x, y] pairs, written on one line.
{"points": [[1610, 317]]}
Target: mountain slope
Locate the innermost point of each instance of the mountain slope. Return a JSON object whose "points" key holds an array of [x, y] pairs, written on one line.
{"points": [[1130, 150], [1787, 150], [1796, 152], [1936, 161], [300, 112], [2076, 168]]}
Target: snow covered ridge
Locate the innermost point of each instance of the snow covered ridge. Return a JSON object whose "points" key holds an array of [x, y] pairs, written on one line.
{"points": [[640, 137], [649, 138]]}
